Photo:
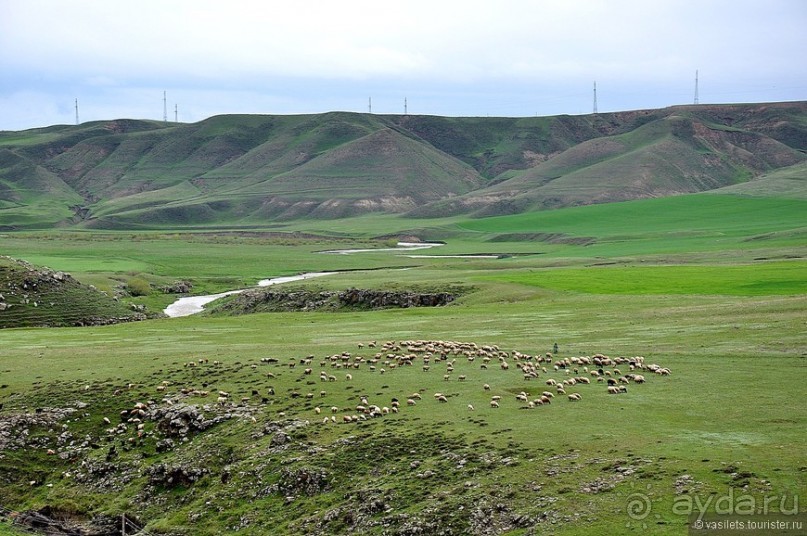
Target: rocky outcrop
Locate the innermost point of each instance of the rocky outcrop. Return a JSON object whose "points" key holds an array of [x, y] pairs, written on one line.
{"points": [[380, 299], [260, 300]]}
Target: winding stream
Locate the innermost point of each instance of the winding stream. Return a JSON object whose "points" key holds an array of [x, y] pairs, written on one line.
{"points": [[196, 304], [192, 305]]}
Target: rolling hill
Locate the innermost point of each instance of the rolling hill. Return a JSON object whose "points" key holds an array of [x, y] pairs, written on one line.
{"points": [[254, 169], [32, 296]]}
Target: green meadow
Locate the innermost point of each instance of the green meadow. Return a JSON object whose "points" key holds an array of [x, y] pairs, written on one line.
{"points": [[714, 287]]}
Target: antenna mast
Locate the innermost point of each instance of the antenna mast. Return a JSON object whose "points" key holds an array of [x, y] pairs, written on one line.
{"points": [[77, 111], [595, 97], [370, 105], [696, 87], [165, 109], [176, 113], [405, 107]]}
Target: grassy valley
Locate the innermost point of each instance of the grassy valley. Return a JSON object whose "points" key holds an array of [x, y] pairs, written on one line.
{"points": [[385, 419]]}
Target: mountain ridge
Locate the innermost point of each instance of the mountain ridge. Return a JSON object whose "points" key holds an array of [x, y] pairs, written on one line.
{"points": [[262, 168]]}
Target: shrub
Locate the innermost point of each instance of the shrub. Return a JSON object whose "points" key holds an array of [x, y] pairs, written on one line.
{"points": [[137, 286]]}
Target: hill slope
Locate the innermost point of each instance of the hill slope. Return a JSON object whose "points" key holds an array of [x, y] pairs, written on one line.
{"points": [[253, 168], [31, 296]]}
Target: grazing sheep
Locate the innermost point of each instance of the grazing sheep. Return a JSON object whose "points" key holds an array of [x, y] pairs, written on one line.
{"points": [[461, 377], [317, 410], [547, 394], [334, 409], [410, 402], [638, 378], [471, 407], [348, 377], [574, 397], [551, 381], [486, 387], [494, 404]]}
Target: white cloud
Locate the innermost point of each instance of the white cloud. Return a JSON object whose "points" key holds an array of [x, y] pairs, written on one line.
{"points": [[466, 50]]}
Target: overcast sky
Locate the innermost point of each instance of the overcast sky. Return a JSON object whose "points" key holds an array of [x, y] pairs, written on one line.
{"points": [[456, 58]]}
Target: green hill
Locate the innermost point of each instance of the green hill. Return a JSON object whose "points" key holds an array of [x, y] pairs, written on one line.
{"points": [[32, 296], [254, 169]]}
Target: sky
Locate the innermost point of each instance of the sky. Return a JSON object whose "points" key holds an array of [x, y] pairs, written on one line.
{"points": [[187, 60]]}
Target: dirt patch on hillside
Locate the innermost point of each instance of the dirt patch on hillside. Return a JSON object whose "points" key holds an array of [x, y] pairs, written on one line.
{"points": [[549, 238]]}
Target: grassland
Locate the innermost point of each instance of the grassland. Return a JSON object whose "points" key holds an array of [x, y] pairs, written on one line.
{"points": [[711, 286]]}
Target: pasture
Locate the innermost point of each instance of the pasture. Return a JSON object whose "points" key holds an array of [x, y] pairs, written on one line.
{"points": [[721, 304]]}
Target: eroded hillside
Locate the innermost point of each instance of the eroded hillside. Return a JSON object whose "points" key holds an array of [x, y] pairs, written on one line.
{"points": [[252, 169]]}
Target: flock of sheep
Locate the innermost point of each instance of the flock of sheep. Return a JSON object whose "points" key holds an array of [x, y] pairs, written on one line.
{"points": [[556, 377], [446, 356]]}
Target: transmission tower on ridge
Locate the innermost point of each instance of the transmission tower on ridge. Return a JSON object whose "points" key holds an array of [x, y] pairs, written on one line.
{"points": [[165, 108], [370, 105], [77, 111], [595, 97], [405, 107], [696, 87]]}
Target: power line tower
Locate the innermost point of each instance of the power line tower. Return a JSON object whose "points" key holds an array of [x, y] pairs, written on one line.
{"points": [[77, 111], [176, 113], [406, 111], [595, 97], [370, 105], [165, 108], [697, 101]]}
